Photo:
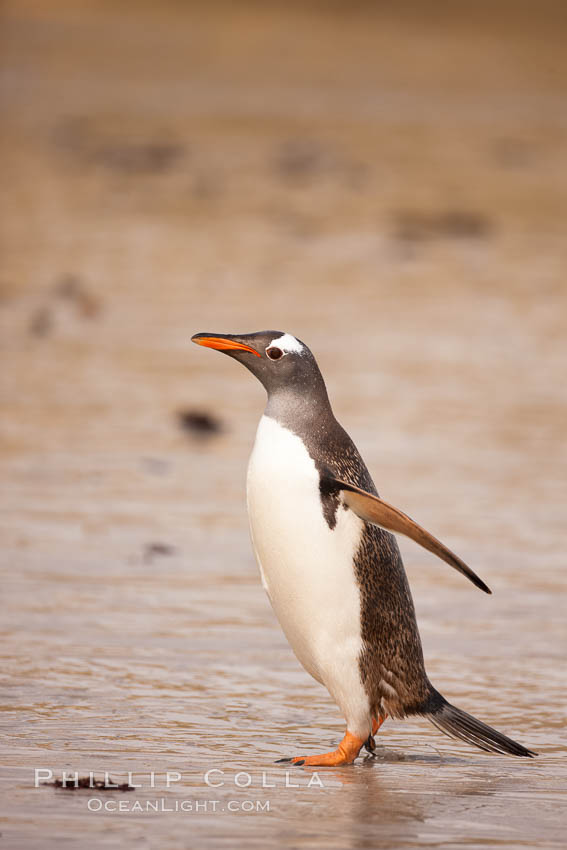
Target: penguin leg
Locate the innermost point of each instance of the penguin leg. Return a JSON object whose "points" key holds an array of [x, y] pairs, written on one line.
{"points": [[345, 753], [377, 723], [370, 743]]}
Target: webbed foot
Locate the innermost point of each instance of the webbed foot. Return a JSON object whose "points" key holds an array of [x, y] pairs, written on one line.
{"points": [[345, 753]]}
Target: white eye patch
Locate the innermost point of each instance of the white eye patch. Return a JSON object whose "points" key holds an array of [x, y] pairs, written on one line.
{"points": [[288, 344]]}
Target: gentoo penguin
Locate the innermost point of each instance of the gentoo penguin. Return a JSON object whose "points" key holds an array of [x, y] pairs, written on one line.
{"points": [[329, 563]]}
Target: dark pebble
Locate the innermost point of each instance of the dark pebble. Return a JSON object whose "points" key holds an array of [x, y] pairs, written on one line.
{"points": [[415, 226], [85, 782], [199, 422], [159, 550]]}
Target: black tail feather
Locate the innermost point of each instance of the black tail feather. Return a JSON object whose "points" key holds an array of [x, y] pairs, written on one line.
{"points": [[458, 724]]}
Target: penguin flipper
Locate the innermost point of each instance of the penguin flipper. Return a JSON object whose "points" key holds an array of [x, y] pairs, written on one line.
{"points": [[374, 510]]}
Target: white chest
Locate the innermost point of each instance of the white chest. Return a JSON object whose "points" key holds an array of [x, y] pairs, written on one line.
{"points": [[307, 568]]}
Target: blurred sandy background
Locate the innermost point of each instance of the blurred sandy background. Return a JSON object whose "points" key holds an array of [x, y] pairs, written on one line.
{"points": [[386, 181]]}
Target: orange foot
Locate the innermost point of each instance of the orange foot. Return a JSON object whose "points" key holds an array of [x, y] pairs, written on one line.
{"points": [[345, 753]]}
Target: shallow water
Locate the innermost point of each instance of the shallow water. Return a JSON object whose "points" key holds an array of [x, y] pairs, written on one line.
{"points": [[403, 211]]}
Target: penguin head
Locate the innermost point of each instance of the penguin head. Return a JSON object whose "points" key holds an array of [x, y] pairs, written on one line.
{"points": [[280, 361]]}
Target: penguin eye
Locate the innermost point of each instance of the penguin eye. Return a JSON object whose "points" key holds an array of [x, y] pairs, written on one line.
{"points": [[274, 353]]}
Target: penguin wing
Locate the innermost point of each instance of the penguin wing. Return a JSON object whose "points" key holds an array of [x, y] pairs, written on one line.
{"points": [[374, 510]]}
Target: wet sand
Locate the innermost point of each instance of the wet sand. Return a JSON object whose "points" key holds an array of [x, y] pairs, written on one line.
{"points": [[391, 187]]}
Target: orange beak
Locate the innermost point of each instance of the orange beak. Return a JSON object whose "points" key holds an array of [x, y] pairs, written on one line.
{"points": [[223, 344]]}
